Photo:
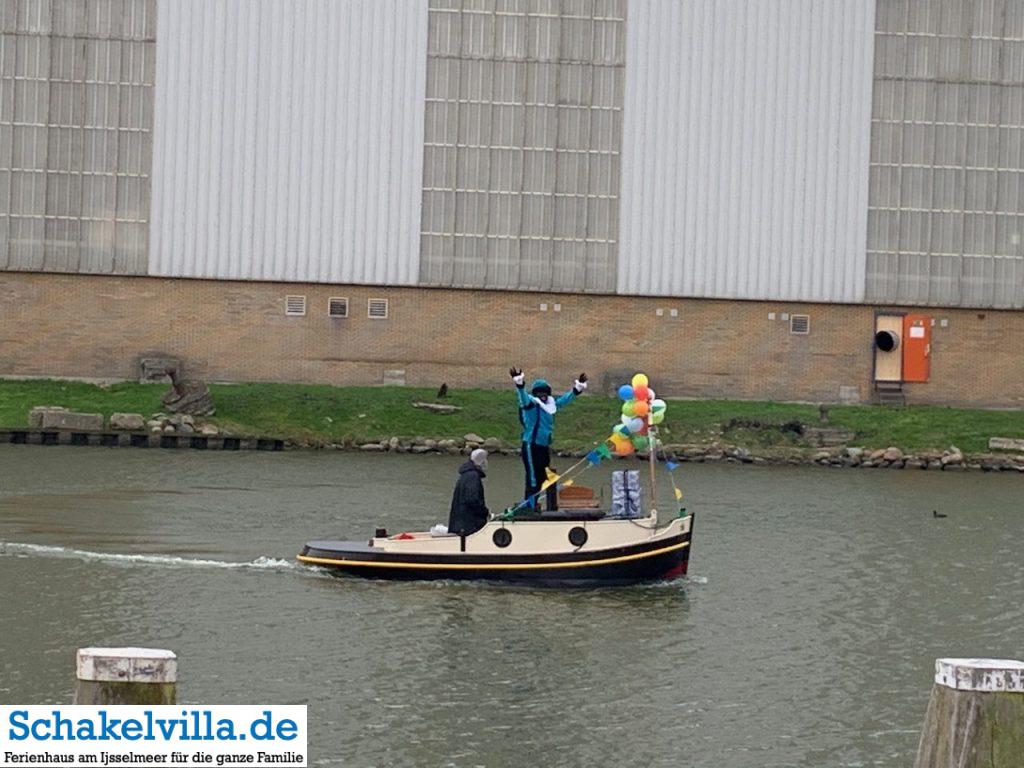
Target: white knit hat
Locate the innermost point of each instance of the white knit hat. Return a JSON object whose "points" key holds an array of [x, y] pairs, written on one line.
{"points": [[479, 457]]}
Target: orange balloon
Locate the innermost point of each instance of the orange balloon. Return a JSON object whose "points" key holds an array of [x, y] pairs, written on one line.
{"points": [[641, 408], [624, 448], [642, 393]]}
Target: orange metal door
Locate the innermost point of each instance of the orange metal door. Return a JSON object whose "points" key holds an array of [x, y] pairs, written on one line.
{"points": [[917, 347]]}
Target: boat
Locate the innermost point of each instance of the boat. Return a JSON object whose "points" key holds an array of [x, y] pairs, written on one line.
{"points": [[579, 544], [564, 548]]}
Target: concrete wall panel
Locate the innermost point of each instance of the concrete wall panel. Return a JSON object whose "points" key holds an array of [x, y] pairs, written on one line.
{"points": [[523, 135], [76, 117], [289, 140], [745, 150], [946, 218]]}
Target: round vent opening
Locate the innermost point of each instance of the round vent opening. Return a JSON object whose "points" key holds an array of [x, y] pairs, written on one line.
{"points": [[502, 537], [578, 536], [886, 341]]}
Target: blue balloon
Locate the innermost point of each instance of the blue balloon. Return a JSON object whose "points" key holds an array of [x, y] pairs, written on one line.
{"points": [[626, 392]]}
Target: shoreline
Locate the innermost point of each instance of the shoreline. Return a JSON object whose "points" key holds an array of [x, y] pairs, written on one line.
{"points": [[840, 457], [417, 420], [845, 457]]}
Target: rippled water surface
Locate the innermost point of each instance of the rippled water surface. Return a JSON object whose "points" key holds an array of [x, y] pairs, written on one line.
{"points": [[805, 636]]}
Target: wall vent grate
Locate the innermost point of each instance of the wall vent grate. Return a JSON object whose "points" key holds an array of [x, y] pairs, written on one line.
{"points": [[377, 309], [800, 324], [337, 306], [295, 306]]}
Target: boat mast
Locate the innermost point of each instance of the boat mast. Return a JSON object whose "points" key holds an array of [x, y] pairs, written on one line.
{"points": [[652, 448]]}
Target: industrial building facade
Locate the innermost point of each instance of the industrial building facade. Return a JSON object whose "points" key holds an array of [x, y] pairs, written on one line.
{"points": [[736, 196]]}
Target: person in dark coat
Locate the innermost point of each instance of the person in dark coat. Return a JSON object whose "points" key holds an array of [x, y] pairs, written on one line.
{"points": [[469, 512]]}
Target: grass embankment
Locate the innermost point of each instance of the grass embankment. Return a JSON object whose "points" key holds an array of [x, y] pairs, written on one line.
{"points": [[322, 414]]}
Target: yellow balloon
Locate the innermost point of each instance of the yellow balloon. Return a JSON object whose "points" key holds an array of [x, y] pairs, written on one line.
{"points": [[640, 380]]}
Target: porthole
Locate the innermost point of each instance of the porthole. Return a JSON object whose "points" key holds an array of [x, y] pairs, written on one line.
{"points": [[502, 537], [578, 536]]}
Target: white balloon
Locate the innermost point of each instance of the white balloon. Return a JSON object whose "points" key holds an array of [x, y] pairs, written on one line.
{"points": [[650, 394]]}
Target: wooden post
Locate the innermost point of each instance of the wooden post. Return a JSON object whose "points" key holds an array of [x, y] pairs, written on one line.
{"points": [[126, 676], [975, 716]]}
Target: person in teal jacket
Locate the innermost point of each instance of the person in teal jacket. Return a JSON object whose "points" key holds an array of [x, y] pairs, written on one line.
{"points": [[537, 415]]}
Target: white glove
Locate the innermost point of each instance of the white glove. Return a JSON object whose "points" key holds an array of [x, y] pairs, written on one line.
{"points": [[580, 385], [519, 380]]}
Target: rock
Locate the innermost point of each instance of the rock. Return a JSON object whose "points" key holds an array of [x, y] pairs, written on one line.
{"points": [[55, 417], [167, 428], [185, 429], [35, 416], [127, 421], [952, 459], [446, 444], [913, 463], [853, 453], [1005, 444], [155, 424], [877, 455], [157, 428], [714, 456], [209, 430], [437, 407], [471, 447], [892, 453], [740, 454], [188, 397], [472, 437], [821, 456], [394, 444], [934, 464], [419, 441], [371, 447], [430, 443], [492, 443], [692, 453], [421, 449]]}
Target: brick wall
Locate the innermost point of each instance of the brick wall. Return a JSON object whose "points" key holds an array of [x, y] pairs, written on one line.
{"points": [[98, 326]]}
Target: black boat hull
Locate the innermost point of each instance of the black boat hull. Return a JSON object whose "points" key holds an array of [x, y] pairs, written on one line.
{"points": [[663, 559]]}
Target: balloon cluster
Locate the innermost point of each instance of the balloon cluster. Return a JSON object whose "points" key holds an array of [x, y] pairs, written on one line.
{"points": [[640, 408]]}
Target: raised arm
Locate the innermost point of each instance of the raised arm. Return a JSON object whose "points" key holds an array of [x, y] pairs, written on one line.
{"points": [[572, 394], [519, 379]]}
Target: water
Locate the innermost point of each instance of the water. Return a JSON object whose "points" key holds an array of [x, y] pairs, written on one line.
{"points": [[817, 603]]}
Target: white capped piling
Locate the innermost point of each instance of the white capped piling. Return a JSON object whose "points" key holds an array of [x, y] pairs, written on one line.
{"points": [[126, 676], [975, 715]]}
